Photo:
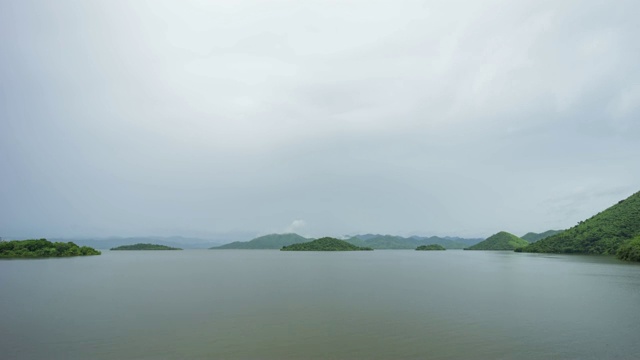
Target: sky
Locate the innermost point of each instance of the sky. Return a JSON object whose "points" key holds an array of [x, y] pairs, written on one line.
{"points": [[325, 118]]}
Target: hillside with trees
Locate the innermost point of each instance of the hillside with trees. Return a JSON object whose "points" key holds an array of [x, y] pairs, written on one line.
{"points": [[374, 241], [630, 250], [272, 241], [145, 247], [603, 233], [532, 237], [324, 244], [42, 248], [500, 241]]}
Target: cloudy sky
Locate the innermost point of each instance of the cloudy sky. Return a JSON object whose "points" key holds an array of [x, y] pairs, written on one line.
{"points": [[199, 118]]}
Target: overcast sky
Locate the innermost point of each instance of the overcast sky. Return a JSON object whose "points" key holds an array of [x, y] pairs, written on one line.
{"points": [[199, 118]]}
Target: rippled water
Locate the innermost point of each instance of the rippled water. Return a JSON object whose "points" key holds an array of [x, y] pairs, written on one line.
{"points": [[301, 305]]}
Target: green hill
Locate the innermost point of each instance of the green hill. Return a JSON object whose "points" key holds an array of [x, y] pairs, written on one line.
{"points": [[272, 241], [603, 233], [430, 247], [500, 241], [43, 248], [399, 242], [145, 247], [324, 244], [533, 237]]}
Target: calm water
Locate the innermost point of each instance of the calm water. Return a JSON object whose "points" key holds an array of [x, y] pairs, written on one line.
{"points": [[356, 305]]}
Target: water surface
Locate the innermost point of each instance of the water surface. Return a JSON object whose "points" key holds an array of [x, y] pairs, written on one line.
{"points": [[306, 305]]}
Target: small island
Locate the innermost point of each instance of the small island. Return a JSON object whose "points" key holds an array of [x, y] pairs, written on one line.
{"points": [[500, 241], [145, 247], [42, 248], [324, 244], [431, 247]]}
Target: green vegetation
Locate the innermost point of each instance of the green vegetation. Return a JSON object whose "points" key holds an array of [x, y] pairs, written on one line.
{"points": [[630, 250], [603, 233], [431, 247], [324, 244], [399, 242], [273, 241], [42, 248], [145, 247], [533, 237], [500, 241]]}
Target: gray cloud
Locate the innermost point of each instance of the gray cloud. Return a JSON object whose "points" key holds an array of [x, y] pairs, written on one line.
{"points": [[447, 118]]}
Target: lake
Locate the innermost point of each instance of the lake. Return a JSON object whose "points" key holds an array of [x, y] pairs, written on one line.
{"points": [[265, 304]]}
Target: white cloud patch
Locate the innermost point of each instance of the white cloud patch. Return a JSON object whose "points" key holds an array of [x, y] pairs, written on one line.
{"points": [[296, 226]]}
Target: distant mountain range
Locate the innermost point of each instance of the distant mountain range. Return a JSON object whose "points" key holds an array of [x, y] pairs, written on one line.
{"points": [[500, 241], [171, 241], [455, 242], [272, 241], [374, 241], [603, 233], [399, 242]]}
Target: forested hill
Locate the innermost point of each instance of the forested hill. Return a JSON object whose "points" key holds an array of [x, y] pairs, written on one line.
{"points": [[324, 244], [533, 237], [500, 241], [603, 233], [42, 248], [272, 241]]}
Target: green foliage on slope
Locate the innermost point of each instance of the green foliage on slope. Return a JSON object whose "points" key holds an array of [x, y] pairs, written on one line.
{"points": [[43, 248], [630, 250], [603, 233], [145, 247], [324, 244], [533, 237], [431, 247], [272, 241], [500, 241]]}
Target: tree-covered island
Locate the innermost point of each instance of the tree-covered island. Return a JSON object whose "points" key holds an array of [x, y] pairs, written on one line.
{"points": [[324, 244], [42, 248], [430, 247], [145, 247], [500, 241]]}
